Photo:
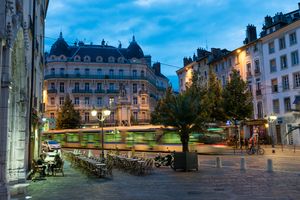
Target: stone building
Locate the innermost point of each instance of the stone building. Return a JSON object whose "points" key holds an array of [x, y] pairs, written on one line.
{"points": [[103, 76], [270, 65], [21, 67]]}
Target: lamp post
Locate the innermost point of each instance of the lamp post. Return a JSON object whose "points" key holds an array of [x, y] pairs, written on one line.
{"points": [[104, 114], [272, 119]]}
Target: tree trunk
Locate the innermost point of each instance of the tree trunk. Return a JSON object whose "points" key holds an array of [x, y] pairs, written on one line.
{"points": [[185, 141]]}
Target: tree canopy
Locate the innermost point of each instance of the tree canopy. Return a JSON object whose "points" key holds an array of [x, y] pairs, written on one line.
{"points": [[68, 117]]}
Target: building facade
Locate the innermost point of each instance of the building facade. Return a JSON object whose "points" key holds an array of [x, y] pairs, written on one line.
{"points": [[21, 69], [270, 65], [103, 76]]}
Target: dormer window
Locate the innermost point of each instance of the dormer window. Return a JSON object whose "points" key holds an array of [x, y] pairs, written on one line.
{"points": [[87, 59], [111, 59], [121, 60], [99, 59], [53, 57], [62, 58], [77, 58]]}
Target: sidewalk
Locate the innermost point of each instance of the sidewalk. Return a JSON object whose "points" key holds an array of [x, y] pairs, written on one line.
{"points": [[207, 183]]}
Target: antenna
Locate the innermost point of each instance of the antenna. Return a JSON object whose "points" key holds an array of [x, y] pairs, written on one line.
{"points": [[206, 46]]}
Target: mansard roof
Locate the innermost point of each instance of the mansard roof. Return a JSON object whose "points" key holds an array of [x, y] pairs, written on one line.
{"points": [[60, 47]]}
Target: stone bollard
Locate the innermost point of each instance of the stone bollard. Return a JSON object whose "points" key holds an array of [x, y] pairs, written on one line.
{"points": [[243, 164], [218, 162], [270, 165]]}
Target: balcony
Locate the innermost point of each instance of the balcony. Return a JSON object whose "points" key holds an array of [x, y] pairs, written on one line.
{"points": [[257, 72], [52, 91], [99, 91], [76, 91], [258, 92], [249, 74], [112, 91]]}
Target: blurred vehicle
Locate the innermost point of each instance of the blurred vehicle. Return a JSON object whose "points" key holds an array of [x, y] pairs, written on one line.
{"points": [[50, 145]]}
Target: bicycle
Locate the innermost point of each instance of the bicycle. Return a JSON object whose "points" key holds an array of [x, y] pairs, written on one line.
{"points": [[253, 150]]}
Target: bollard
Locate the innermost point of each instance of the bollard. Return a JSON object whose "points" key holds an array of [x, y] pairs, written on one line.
{"points": [[270, 165], [243, 164], [218, 162]]}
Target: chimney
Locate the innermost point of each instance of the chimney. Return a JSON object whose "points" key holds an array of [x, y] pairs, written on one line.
{"points": [[156, 67], [251, 34], [268, 21], [299, 5]]}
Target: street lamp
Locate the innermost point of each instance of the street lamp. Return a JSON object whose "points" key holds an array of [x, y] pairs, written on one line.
{"points": [[104, 114], [272, 119]]}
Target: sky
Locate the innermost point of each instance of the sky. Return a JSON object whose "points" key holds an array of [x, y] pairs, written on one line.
{"points": [[168, 30]]}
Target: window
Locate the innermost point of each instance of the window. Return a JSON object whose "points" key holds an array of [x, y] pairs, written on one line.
{"points": [[52, 116], [111, 73], [77, 72], [229, 62], [87, 86], [248, 69], [257, 67], [135, 116], [121, 73], [223, 66], [223, 80], [52, 101], [274, 84], [134, 88], [99, 86], [61, 87], [111, 101], [293, 38], [99, 72], [259, 110], [142, 73], [62, 71], [52, 86], [296, 79], [76, 100], [61, 100], [76, 86], [205, 74], [287, 104], [283, 62], [52, 71], [273, 65], [111, 86], [143, 86], [295, 58], [276, 108], [99, 101], [86, 117], [281, 43], [216, 68], [143, 100], [134, 73], [285, 82], [86, 100], [87, 71], [135, 101], [271, 47]]}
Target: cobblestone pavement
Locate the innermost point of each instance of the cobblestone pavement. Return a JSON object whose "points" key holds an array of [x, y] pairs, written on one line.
{"points": [[208, 183]]}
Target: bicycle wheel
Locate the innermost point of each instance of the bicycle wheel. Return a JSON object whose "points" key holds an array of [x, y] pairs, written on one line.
{"points": [[249, 151], [261, 151]]}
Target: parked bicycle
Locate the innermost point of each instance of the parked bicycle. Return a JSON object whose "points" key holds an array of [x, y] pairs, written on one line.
{"points": [[254, 150]]}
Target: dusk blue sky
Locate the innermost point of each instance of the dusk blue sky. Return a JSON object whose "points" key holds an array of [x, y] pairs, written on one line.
{"points": [[168, 30]]}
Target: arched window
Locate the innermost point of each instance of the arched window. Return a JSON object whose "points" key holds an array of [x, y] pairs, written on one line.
{"points": [[111, 59], [121, 60], [53, 57], [87, 59], [77, 58], [99, 59], [63, 58]]}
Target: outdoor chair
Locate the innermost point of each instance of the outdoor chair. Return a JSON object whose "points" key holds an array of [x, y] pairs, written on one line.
{"points": [[59, 169], [37, 171]]}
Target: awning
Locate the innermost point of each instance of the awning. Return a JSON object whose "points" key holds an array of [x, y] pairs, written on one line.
{"points": [[297, 100]]}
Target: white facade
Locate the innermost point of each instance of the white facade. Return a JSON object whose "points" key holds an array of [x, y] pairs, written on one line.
{"points": [[281, 51]]}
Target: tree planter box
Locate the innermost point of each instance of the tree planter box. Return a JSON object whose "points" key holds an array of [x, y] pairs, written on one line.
{"points": [[185, 160]]}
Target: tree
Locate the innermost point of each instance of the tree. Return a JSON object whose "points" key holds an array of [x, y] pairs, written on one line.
{"points": [[68, 117], [180, 111], [237, 98], [213, 99]]}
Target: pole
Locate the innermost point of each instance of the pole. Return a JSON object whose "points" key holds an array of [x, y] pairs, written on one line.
{"points": [[273, 145], [102, 139]]}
